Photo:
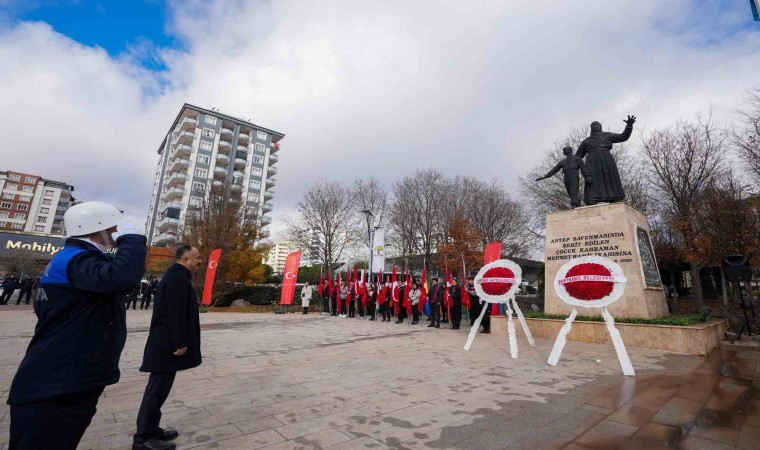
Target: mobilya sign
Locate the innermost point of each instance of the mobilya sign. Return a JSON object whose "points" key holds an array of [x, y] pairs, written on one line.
{"points": [[44, 246]]}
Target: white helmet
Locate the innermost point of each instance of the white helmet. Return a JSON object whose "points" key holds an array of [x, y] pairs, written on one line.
{"points": [[90, 217]]}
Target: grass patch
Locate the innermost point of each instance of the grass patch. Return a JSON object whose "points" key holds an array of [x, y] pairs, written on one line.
{"points": [[675, 319]]}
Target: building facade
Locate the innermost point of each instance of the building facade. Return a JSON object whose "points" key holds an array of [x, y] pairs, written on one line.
{"points": [[206, 148], [278, 254], [33, 204]]}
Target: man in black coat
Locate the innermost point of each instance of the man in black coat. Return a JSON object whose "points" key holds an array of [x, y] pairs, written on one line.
{"points": [[9, 286], [174, 344], [26, 289], [80, 332], [435, 298], [147, 292], [455, 292]]}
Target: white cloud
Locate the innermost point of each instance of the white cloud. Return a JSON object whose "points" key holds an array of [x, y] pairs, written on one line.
{"points": [[361, 87]]}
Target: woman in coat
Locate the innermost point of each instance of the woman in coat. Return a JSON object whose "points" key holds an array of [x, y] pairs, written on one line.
{"points": [[306, 293], [414, 298]]}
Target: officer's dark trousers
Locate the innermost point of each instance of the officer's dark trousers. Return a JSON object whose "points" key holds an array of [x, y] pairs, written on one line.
{"points": [[57, 423], [415, 313], [131, 299], [384, 311], [7, 294], [149, 417], [486, 322], [456, 315], [572, 185], [27, 292], [334, 307], [326, 305], [145, 302], [435, 314]]}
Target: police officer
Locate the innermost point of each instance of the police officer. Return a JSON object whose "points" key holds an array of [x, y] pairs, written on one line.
{"points": [[26, 289], [81, 329], [435, 298]]}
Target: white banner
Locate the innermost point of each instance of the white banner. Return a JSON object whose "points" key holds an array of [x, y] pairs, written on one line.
{"points": [[378, 250]]}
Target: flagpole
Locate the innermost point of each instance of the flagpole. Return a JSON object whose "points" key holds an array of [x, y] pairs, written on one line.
{"points": [[464, 274]]}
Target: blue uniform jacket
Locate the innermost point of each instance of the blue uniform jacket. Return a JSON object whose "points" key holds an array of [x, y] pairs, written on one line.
{"points": [[81, 327]]}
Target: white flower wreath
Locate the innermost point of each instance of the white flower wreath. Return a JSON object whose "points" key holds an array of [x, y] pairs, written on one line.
{"points": [[516, 280], [617, 277]]}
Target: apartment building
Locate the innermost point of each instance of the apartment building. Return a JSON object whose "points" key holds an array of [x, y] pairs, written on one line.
{"points": [[33, 204], [278, 254], [205, 148]]}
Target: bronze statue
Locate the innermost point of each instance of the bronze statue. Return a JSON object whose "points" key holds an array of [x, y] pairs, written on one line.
{"points": [[600, 163], [570, 167]]}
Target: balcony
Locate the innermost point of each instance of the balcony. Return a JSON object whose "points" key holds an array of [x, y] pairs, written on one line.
{"points": [[242, 148], [188, 124], [174, 194], [271, 182], [266, 221], [242, 137], [225, 147], [177, 179], [220, 171], [166, 205], [236, 186], [268, 194], [184, 137], [165, 238], [179, 165], [267, 206], [218, 183], [263, 234], [238, 175], [271, 170], [273, 158], [222, 158], [167, 223], [180, 150], [275, 148], [226, 135], [240, 164]]}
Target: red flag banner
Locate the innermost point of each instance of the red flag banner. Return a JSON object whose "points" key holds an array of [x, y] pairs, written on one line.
{"points": [[208, 285], [492, 253], [329, 284], [289, 278], [338, 288], [465, 294], [423, 290]]}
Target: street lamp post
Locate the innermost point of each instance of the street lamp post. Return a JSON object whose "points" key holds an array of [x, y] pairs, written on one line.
{"points": [[368, 215]]}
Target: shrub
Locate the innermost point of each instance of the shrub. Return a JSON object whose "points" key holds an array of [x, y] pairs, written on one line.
{"points": [[676, 319]]}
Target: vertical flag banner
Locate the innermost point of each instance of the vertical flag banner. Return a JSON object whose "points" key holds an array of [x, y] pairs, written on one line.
{"points": [[289, 277], [208, 285], [492, 253], [340, 302], [463, 284], [378, 250], [329, 284], [423, 289]]}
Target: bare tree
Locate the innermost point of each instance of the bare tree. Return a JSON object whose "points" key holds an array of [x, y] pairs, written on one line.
{"points": [[458, 195], [416, 210], [328, 212], [21, 261], [499, 218], [746, 137], [370, 195], [684, 160]]}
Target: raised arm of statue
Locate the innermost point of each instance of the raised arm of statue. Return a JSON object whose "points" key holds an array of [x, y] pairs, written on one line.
{"points": [[622, 137], [552, 172]]}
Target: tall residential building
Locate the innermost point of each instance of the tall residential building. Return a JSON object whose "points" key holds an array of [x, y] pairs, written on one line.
{"points": [[278, 253], [205, 147], [33, 204]]}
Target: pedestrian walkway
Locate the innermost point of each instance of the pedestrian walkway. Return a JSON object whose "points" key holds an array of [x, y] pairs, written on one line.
{"points": [[306, 382]]}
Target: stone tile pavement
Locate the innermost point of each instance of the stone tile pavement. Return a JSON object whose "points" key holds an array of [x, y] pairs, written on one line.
{"points": [[310, 382]]}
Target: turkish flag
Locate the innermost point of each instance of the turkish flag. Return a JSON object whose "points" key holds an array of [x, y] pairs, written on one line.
{"points": [[423, 290], [208, 285], [465, 294], [493, 253], [329, 284], [289, 277], [394, 291], [338, 288], [407, 290]]}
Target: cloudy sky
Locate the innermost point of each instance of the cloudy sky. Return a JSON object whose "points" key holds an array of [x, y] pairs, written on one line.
{"points": [[89, 88]]}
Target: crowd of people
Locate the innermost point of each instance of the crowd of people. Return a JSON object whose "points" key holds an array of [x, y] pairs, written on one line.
{"points": [[399, 302], [26, 286]]}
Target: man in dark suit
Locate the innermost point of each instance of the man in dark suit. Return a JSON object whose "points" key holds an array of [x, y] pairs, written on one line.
{"points": [[174, 344], [435, 298], [26, 289]]}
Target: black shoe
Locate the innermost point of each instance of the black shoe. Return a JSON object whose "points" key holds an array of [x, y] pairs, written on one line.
{"points": [[445, 321], [431, 326], [454, 328], [372, 319], [154, 444], [438, 326], [415, 323], [167, 434], [486, 332]]}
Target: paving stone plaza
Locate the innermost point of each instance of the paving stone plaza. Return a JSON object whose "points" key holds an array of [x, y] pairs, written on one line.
{"points": [[307, 382]]}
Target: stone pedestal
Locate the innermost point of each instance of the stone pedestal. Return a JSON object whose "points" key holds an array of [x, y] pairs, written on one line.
{"points": [[616, 231]]}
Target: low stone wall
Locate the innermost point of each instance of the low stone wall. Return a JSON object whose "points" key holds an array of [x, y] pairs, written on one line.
{"points": [[697, 339]]}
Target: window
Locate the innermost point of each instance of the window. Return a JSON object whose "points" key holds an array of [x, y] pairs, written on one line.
{"points": [[203, 159], [19, 216], [3, 224], [208, 132], [258, 159], [5, 205], [211, 120], [198, 187], [47, 201], [12, 187], [261, 135], [49, 192], [4, 215], [17, 226], [253, 198], [41, 219], [256, 172], [44, 210], [23, 207], [202, 173], [27, 189], [195, 201], [30, 180], [15, 177], [39, 228], [259, 147], [206, 145], [25, 198], [9, 196], [255, 184]]}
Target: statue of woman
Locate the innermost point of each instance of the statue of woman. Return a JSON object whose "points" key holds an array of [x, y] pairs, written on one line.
{"points": [[600, 163]]}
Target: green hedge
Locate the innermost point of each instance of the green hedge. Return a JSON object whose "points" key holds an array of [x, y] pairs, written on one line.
{"points": [[676, 319], [260, 294]]}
